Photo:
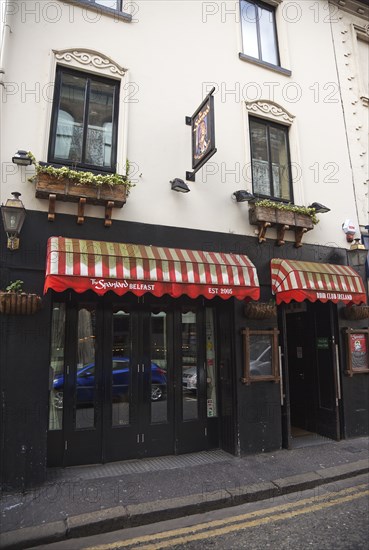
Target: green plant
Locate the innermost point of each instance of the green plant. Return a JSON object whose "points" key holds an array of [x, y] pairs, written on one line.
{"points": [[15, 286], [311, 212], [82, 178]]}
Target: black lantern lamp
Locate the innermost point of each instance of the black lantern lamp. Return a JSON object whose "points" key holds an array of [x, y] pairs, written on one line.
{"points": [[319, 208], [180, 186], [358, 254], [243, 196], [13, 214], [22, 158]]}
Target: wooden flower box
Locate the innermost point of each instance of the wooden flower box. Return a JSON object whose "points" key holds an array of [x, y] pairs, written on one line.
{"points": [[50, 187], [71, 191], [19, 303], [262, 214], [284, 220]]}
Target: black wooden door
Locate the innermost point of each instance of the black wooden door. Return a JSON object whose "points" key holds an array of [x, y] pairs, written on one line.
{"points": [[118, 388]]}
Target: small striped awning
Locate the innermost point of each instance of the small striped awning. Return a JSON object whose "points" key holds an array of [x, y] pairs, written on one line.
{"points": [[118, 267], [295, 280]]}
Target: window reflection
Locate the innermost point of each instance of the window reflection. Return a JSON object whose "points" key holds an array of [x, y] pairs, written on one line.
{"points": [[85, 375], [189, 366], [211, 373], [121, 368], [56, 370], [159, 368]]}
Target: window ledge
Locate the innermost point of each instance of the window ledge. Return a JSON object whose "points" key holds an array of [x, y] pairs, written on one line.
{"points": [[98, 8], [264, 64]]}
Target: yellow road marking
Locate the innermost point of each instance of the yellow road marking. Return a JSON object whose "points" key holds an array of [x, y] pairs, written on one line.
{"points": [[227, 521]]}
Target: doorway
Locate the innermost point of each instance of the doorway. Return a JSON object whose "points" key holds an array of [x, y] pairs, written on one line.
{"points": [[311, 376], [131, 379]]}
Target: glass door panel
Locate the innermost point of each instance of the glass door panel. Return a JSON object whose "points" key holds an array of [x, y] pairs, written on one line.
{"points": [[56, 371], [189, 366], [159, 368], [121, 375], [86, 371]]}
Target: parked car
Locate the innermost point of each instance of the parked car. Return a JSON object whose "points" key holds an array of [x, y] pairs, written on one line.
{"points": [[261, 360], [121, 375], [189, 378]]}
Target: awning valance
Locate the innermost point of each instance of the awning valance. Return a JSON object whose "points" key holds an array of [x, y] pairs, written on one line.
{"points": [[295, 280], [102, 266]]}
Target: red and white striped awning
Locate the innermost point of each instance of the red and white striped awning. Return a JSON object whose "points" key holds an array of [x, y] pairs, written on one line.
{"points": [[294, 280], [118, 267]]}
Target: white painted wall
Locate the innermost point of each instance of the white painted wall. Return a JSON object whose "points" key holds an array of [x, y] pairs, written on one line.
{"points": [[353, 71], [174, 52]]}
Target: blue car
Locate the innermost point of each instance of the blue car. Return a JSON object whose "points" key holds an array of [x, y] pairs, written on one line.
{"points": [[121, 379]]}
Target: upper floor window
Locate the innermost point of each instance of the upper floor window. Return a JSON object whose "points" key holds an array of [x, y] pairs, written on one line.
{"points": [[84, 121], [112, 4], [270, 160], [259, 33]]}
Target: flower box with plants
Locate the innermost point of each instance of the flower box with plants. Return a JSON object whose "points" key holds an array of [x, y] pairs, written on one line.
{"points": [[265, 213], [84, 187], [71, 185], [13, 301]]}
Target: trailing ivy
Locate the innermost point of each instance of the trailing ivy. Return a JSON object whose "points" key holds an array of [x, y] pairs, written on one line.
{"points": [[311, 212], [82, 178]]}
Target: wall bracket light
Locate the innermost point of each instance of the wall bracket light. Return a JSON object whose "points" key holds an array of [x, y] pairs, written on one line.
{"points": [[358, 254], [243, 196], [13, 215], [22, 158], [319, 208], [180, 186]]}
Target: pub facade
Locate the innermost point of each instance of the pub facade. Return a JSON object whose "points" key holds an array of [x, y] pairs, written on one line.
{"points": [[223, 316]]}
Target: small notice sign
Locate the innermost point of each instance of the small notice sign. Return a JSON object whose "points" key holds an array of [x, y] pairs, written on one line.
{"points": [[322, 342]]}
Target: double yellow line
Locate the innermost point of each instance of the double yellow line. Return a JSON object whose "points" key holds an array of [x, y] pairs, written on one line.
{"points": [[221, 527]]}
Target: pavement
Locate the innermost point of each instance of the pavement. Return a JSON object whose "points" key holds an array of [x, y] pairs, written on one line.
{"points": [[87, 500]]}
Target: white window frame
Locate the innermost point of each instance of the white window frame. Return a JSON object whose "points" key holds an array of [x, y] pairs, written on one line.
{"points": [[94, 63]]}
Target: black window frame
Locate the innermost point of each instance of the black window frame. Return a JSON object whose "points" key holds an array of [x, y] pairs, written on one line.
{"points": [[271, 196], [60, 70], [272, 10], [116, 12]]}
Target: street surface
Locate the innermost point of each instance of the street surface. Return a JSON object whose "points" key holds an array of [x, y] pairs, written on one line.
{"points": [[329, 517]]}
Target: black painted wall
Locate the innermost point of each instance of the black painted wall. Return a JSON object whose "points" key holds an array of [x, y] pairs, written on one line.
{"points": [[24, 352]]}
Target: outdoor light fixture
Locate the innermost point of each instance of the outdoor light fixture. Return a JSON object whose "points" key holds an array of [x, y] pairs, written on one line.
{"points": [[22, 158], [358, 254], [319, 208], [13, 214], [179, 185], [243, 196]]}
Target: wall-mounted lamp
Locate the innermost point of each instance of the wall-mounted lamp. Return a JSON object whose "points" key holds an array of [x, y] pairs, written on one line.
{"points": [[179, 185], [357, 255], [13, 214], [319, 208], [22, 158], [243, 196]]}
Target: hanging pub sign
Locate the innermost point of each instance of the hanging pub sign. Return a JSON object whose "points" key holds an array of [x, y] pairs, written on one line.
{"points": [[202, 134]]}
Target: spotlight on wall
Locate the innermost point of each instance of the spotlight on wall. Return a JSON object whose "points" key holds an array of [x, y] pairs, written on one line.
{"points": [[179, 185], [13, 214], [319, 208], [22, 158], [243, 196]]}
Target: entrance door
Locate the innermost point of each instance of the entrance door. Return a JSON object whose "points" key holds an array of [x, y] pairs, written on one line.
{"points": [[131, 379], [113, 399], [313, 400]]}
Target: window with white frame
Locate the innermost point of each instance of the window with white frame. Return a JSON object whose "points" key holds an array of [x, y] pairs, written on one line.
{"points": [[84, 120], [259, 33], [270, 160]]}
